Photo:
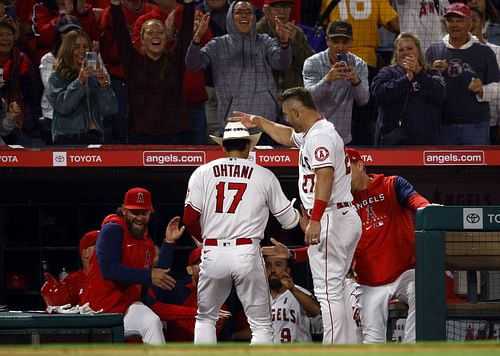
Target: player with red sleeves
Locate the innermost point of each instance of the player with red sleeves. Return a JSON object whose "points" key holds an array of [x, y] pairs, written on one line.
{"points": [[385, 256], [121, 268], [73, 289], [227, 205]]}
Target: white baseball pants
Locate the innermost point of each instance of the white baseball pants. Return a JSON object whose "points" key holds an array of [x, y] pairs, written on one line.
{"points": [[220, 267], [375, 307], [140, 319], [330, 261]]}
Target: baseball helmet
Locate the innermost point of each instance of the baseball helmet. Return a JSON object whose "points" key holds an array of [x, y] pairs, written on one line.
{"points": [[54, 293]]}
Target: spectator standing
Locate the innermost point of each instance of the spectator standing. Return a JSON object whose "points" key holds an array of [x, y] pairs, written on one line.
{"points": [[292, 306], [218, 13], [491, 27], [158, 111], [301, 50], [492, 90], [9, 118], [242, 63], [337, 78], [122, 268], [45, 16], [194, 81], [79, 94], [131, 10], [466, 66], [65, 24], [19, 85], [423, 19], [410, 97], [385, 255], [365, 17], [324, 187], [227, 206]]}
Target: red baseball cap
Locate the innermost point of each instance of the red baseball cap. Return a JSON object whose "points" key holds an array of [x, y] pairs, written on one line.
{"points": [[89, 239], [354, 155], [459, 9], [138, 199], [267, 2], [194, 256]]}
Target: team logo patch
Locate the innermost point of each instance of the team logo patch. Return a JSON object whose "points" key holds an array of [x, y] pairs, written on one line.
{"points": [[140, 198], [321, 153]]}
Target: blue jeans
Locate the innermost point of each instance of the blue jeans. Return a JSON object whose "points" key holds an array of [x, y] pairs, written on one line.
{"points": [[466, 134]]}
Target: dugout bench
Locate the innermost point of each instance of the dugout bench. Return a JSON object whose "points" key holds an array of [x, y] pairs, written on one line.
{"points": [[453, 238], [40, 328]]}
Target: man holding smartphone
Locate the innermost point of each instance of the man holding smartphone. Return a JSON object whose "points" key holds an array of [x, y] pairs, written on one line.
{"points": [[336, 78]]}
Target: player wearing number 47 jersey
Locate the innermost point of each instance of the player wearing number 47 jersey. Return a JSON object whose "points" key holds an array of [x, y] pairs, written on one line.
{"points": [[325, 190], [227, 205]]}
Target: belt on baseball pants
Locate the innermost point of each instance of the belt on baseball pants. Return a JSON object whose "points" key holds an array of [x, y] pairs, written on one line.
{"points": [[237, 242], [344, 204]]}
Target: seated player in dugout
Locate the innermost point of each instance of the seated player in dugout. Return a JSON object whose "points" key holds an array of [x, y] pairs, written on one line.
{"points": [[72, 290]]}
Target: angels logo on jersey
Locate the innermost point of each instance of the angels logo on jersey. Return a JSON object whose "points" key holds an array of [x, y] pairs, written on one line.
{"points": [[321, 153]]}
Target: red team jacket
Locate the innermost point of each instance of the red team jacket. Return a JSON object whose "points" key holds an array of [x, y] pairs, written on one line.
{"points": [[387, 245], [136, 259]]}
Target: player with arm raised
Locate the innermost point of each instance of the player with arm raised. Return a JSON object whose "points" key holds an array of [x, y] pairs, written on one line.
{"points": [[325, 190]]}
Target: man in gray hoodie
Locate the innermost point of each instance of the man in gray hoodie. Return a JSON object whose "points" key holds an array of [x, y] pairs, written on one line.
{"points": [[242, 63]]}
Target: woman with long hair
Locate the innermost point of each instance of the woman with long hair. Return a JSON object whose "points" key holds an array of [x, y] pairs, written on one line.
{"points": [[409, 96], [80, 94]]}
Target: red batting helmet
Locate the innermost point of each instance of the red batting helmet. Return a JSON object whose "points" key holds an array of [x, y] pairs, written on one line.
{"points": [[54, 293]]}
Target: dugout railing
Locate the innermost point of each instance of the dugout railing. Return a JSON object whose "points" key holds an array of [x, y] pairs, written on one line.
{"points": [[456, 238]]}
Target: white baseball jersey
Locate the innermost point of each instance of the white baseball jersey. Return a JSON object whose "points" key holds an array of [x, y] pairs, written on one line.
{"points": [[290, 320], [322, 146], [422, 19], [233, 196]]}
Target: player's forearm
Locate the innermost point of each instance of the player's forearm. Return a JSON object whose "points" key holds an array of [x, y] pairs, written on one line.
{"points": [[324, 184], [278, 132], [307, 302]]}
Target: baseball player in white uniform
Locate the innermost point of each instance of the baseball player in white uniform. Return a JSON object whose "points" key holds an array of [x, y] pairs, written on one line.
{"points": [[227, 205], [291, 305], [324, 183]]}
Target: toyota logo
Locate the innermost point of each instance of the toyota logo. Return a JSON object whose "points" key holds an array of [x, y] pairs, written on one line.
{"points": [[473, 218]]}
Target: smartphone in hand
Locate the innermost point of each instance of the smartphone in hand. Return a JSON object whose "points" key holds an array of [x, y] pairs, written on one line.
{"points": [[342, 57], [91, 60]]}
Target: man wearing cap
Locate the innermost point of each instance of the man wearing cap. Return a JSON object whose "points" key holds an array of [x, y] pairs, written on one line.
{"points": [[301, 50], [466, 66], [122, 268], [324, 185], [73, 289], [385, 255], [337, 78], [227, 207]]}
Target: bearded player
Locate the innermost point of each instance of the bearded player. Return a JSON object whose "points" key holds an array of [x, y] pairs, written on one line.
{"points": [[122, 268], [291, 305]]}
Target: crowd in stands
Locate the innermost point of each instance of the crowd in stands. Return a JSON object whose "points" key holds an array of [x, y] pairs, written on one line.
{"points": [[394, 72]]}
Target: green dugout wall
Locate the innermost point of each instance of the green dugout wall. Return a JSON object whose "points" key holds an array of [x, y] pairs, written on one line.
{"points": [[455, 238]]}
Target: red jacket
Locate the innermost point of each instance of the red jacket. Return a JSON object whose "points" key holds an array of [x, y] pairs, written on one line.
{"points": [[387, 245]]}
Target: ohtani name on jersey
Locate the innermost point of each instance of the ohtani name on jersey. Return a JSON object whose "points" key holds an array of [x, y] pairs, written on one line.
{"points": [[284, 314], [232, 170], [371, 200]]}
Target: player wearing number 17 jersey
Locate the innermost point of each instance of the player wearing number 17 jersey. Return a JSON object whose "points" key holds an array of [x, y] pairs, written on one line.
{"points": [[325, 190], [227, 205]]}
